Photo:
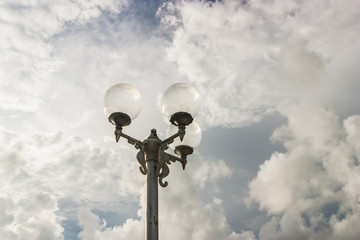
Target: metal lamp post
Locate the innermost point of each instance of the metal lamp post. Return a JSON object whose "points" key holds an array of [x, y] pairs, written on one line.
{"points": [[180, 103]]}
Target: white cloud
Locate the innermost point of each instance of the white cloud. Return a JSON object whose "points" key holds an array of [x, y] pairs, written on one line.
{"points": [[26, 57], [252, 59], [314, 186], [352, 125], [180, 211], [52, 167], [212, 48], [204, 171], [94, 229], [42, 169], [183, 212], [33, 217], [246, 59], [311, 189]]}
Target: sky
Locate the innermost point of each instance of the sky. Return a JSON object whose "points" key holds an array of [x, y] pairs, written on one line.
{"points": [[280, 118]]}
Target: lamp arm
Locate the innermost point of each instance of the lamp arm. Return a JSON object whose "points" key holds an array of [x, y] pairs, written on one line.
{"points": [[131, 140], [164, 159], [180, 133], [138, 145], [173, 158]]}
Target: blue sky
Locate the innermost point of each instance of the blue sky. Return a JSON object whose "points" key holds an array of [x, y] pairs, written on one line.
{"points": [[280, 118]]}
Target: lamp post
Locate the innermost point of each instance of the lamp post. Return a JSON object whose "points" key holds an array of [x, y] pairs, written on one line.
{"points": [[180, 103]]}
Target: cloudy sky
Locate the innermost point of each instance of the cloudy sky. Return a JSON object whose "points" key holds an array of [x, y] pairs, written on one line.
{"points": [[280, 83]]}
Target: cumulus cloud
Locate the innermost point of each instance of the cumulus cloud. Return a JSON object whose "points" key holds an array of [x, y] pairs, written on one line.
{"points": [[52, 167], [94, 228], [43, 169], [59, 165], [180, 211], [309, 190], [250, 59], [312, 188], [240, 53], [64, 165], [183, 212], [247, 58], [26, 59], [204, 171], [31, 217], [211, 46]]}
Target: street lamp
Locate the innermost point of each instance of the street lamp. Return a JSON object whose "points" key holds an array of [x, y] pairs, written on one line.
{"points": [[180, 103]]}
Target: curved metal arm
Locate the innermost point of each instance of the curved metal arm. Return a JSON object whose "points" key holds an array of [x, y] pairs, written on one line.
{"points": [[173, 158], [131, 140], [138, 145], [164, 159], [180, 133], [162, 170], [140, 156]]}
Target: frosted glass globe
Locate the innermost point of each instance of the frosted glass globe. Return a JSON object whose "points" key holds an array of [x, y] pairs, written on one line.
{"points": [[180, 97], [192, 136], [123, 98]]}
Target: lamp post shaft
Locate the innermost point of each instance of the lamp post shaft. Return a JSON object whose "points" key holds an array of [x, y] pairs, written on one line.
{"points": [[152, 223], [154, 164], [181, 102]]}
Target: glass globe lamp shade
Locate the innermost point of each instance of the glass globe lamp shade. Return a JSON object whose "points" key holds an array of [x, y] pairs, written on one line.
{"points": [[192, 136], [123, 98], [180, 97]]}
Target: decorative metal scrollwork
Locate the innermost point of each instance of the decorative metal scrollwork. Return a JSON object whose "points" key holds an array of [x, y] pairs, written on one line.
{"points": [[163, 170], [153, 148], [141, 158]]}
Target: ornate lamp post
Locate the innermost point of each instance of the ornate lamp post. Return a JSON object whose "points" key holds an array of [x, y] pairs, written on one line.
{"points": [[180, 103]]}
